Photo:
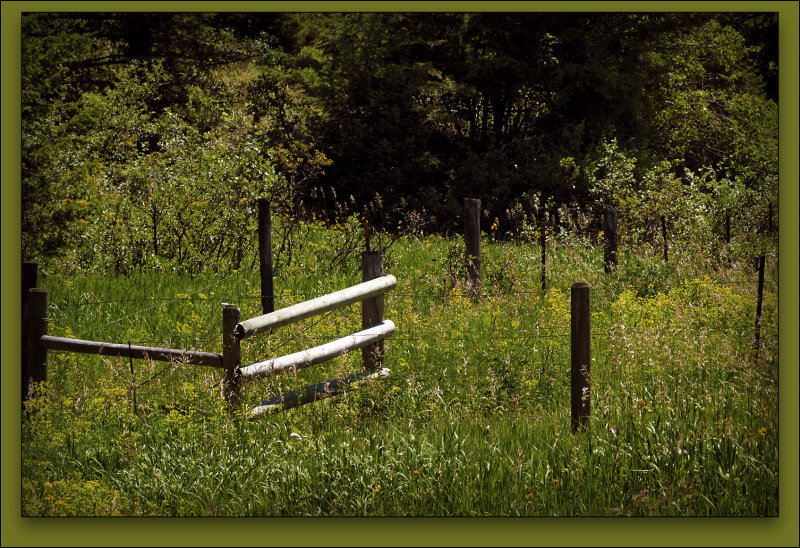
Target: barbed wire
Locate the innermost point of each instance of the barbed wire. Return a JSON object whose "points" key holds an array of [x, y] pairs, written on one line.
{"points": [[149, 308], [389, 294], [531, 333]]}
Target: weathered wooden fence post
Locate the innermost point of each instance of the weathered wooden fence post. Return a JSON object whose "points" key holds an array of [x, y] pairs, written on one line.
{"points": [[30, 275], [610, 232], [30, 279], [769, 221], [580, 349], [36, 360], [761, 264], [727, 228], [372, 310], [472, 239], [265, 256], [664, 236], [543, 243], [231, 355]]}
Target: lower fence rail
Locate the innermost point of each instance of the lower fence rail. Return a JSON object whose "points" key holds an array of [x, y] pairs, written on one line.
{"points": [[314, 392]]}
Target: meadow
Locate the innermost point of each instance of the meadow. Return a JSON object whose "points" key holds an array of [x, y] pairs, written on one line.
{"points": [[474, 419]]}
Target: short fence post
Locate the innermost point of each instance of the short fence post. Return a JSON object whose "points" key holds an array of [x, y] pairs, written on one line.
{"points": [[580, 349], [265, 256], [664, 236], [472, 239], [371, 310], [231, 355], [36, 366], [610, 232], [30, 275], [543, 243]]}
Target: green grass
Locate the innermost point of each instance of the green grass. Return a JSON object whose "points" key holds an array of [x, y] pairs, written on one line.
{"points": [[473, 421]]}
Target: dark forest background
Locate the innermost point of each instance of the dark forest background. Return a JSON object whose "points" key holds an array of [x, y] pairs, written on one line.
{"points": [[148, 137]]}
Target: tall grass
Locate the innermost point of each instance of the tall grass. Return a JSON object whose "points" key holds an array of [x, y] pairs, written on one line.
{"points": [[473, 421]]}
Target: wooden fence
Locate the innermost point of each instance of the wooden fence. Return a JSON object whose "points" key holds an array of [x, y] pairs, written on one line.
{"points": [[36, 342], [369, 339]]}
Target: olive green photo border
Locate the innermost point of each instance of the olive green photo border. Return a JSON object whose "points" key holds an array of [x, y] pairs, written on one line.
{"points": [[781, 531]]}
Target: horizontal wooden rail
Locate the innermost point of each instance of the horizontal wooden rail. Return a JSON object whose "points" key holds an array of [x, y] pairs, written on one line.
{"points": [[139, 352], [315, 392], [320, 305], [319, 354]]}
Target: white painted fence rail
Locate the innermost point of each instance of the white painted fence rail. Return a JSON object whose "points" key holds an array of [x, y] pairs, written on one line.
{"points": [[318, 354], [320, 305]]}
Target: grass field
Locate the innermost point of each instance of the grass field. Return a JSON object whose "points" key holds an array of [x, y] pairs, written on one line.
{"points": [[474, 419]]}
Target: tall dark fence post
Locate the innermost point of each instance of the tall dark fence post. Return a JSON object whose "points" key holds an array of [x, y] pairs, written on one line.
{"points": [[664, 236], [543, 244], [472, 239], [769, 221], [727, 228], [761, 261], [372, 310], [30, 279], [580, 349], [36, 360], [610, 232], [231, 355], [265, 256]]}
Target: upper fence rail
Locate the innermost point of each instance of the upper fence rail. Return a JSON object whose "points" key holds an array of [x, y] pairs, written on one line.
{"points": [[320, 305]]}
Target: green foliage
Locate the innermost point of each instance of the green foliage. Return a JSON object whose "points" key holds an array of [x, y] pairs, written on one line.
{"points": [[131, 187], [435, 107]]}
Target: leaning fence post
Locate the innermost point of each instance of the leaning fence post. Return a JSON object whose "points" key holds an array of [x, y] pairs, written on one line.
{"points": [[265, 256], [610, 232], [580, 349], [371, 310], [231, 354], [472, 239], [36, 366]]}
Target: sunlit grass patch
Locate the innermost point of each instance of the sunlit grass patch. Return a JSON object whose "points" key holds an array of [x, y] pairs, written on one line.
{"points": [[473, 420]]}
